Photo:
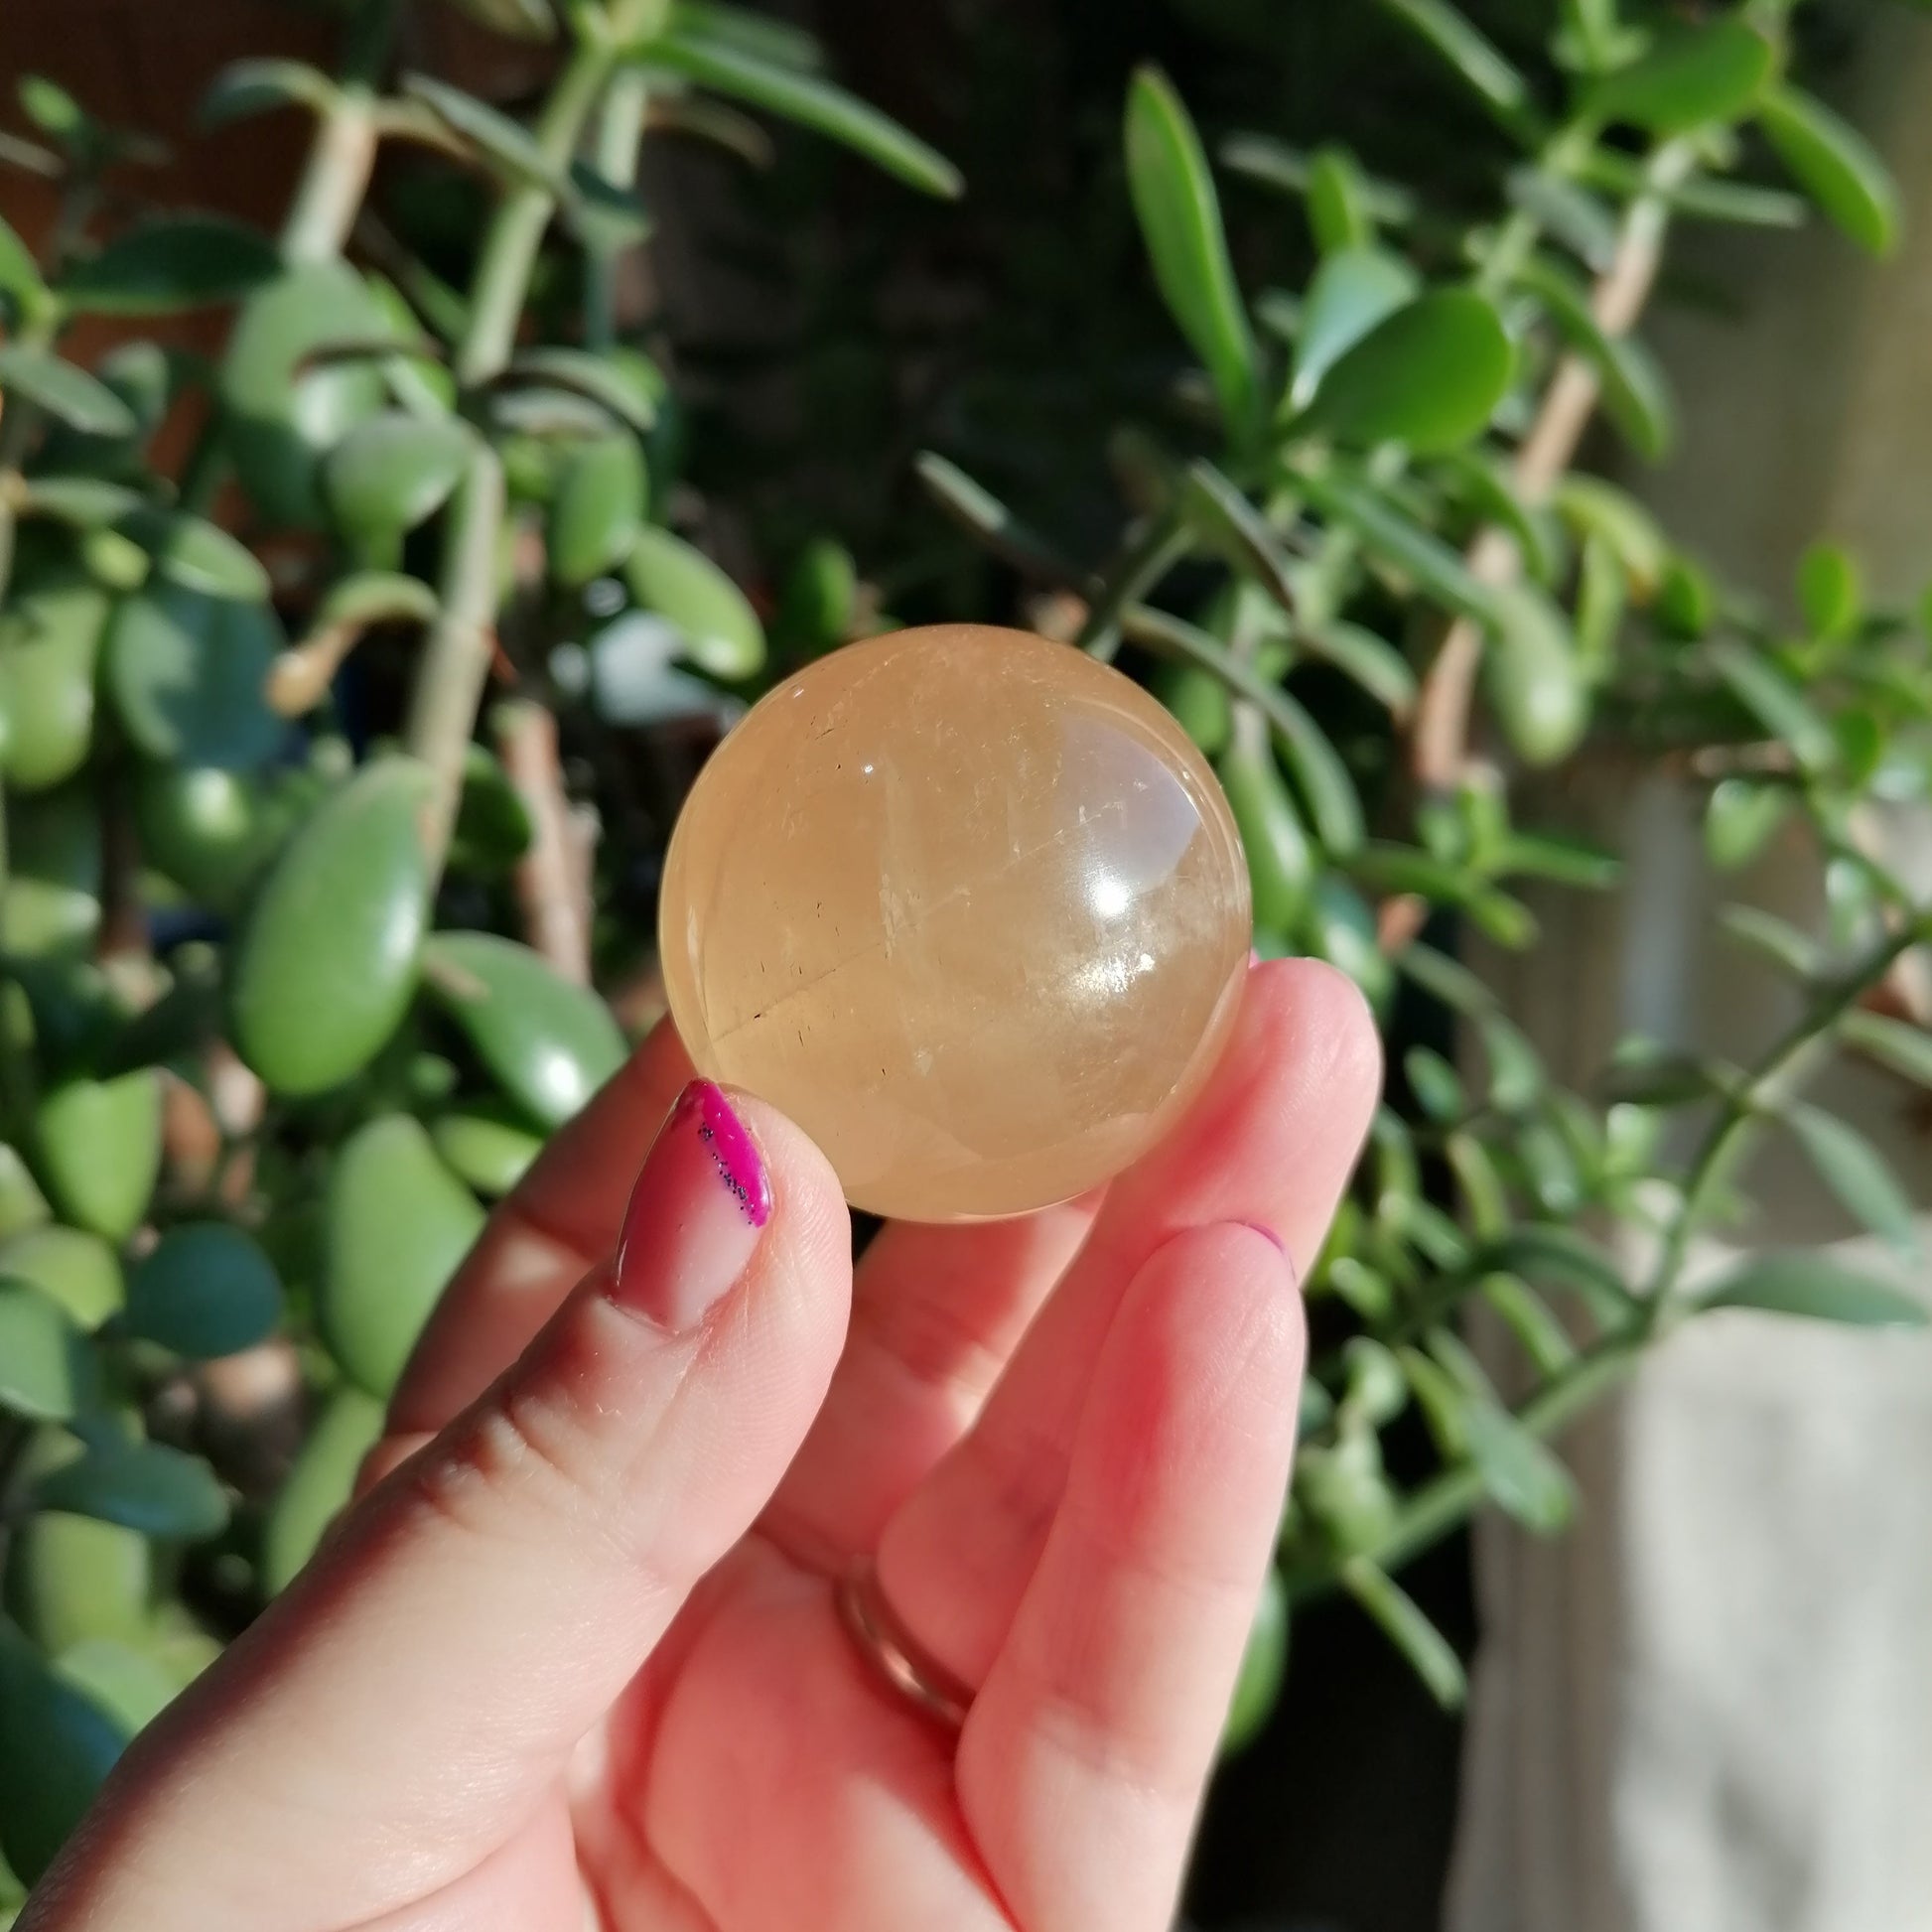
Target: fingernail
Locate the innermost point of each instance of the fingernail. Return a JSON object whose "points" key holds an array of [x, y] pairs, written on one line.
{"points": [[1254, 958], [695, 1214]]}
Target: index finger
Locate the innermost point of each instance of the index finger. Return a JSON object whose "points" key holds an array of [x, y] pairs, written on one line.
{"points": [[544, 1236]]}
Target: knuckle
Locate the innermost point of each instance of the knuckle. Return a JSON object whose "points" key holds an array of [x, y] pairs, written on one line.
{"points": [[518, 1468]]}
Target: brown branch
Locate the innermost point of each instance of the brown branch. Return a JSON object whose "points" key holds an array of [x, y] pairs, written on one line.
{"points": [[1438, 744], [553, 876]]}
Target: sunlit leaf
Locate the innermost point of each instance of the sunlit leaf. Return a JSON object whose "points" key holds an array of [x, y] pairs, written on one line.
{"points": [[170, 262], [1429, 376], [1350, 292], [1814, 1284], [1405, 1624], [70, 394], [1835, 165], [1857, 1173], [693, 47], [1691, 77], [1180, 221]]}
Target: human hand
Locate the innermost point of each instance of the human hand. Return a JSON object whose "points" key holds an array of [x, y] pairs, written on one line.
{"points": [[577, 1658]]}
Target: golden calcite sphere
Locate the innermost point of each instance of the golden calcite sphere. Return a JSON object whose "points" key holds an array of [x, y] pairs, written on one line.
{"points": [[967, 906]]}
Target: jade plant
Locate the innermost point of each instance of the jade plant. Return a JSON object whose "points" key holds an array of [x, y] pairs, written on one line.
{"points": [[308, 938], [1359, 559]]}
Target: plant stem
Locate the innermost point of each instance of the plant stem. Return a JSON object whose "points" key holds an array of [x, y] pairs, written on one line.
{"points": [[16, 426], [1439, 746], [1721, 1145], [556, 913], [1140, 567], [335, 178], [619, 130], [1449, 1499], [457, 650], [461, 644], [503, 280]]}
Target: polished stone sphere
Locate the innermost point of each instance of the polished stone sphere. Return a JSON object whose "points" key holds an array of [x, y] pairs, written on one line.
{"points": [[966, 904]]}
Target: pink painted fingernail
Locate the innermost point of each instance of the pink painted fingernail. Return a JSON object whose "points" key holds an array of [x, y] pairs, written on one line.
{"points": [[695, 1214]]}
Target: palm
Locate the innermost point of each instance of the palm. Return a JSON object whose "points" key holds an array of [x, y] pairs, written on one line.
{"points": [[760, 1732]]}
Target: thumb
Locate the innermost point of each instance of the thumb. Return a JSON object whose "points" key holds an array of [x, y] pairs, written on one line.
{"points": [[429, 1675]]}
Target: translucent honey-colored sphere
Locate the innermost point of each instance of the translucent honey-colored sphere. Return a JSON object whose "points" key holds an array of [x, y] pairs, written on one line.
{"points": [[966, 904]]}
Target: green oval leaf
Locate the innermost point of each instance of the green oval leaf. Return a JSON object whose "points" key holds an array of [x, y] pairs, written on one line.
{"points": [[1740, 818], [1532, 675], [45, 1366], [78, 1271], [1777, 703], [1856, 1172], [197, 555], [61, 1744], [1835, 165], [1224, 521], [1180, 221], [1349, 294], [989, 522], [397, 1223], [1339, 201], [549, 1042], [282, 411], [146, 1487], [327, 966], [186, 672], [170, 262], [627, 387], [1522, 1478], [524, 20], [376, 597], [99, 1150], [1691, 77], [254, 86], [596, 511], [1429, 376], [71, 1579], [490, 1148], [50, 645], [20, 275], [819, 598], [1470, 55], [22, 1205], [391, 471], [1599, 509], [1829, 592], [1281, 859], [81, 503], [1199, 703], [319, 1484], [722, 62], [507, 144], [133, 1686], [207, 1289], [1811, 1282], [1405, 1624], [721, 631], [1897, 1043], [67, 394], [1637, 396], [205, 828]]}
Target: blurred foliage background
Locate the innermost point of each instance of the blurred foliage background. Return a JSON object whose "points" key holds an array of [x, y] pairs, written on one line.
{"points": [[375, 573]]}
